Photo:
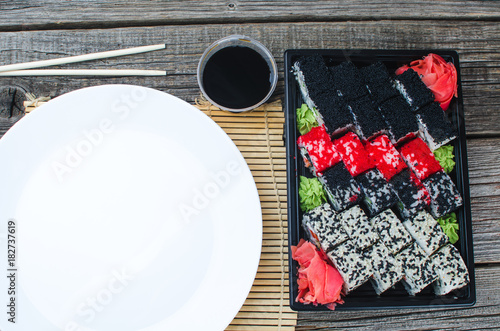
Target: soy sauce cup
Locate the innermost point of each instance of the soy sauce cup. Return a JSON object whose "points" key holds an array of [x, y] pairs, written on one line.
{"points": [[237, 73]]}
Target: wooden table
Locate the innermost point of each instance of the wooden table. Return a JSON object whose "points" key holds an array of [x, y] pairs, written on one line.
{"points": [[36, 30]]}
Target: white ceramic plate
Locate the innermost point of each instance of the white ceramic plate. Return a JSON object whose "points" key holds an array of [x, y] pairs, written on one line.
{"points": [[129, 210]]}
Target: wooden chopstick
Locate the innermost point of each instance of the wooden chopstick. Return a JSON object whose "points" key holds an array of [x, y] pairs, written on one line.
{"points": [[84, 72], [80, 58]]}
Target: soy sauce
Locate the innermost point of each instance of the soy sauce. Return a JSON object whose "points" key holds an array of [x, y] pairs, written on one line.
{"points": [[237, 77]]}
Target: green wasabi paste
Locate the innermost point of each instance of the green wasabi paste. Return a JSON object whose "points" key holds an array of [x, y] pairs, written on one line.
{"points": [[444, 155], [450, 226], [305, 119], [311, 193]]}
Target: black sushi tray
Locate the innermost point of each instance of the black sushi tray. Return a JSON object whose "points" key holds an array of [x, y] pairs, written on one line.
{"points": [[364, 297]]}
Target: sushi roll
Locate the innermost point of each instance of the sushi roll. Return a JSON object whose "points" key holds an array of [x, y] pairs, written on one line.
{"points": [[385, 157], [400, 119], [416, 93], [419, 271], [426, 231], [317, 150], [413, 196], [352, 265], [391, 231], [358, 227], [341, 189], [387, 271], [348, 81], [451, 269], [420, 158], [353, 153], [317, 89], [444, 195], [379, 84], [335, 113], [312, 77], [368, 121], [434, 126], [324, 228], [378, 193]]}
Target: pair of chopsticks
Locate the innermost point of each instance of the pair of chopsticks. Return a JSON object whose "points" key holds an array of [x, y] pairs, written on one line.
{"points": [[24, 69]]}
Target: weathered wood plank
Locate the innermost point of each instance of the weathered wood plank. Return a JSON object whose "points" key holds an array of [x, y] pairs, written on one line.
{"points": [[484, 315], [11, 103], [26, 14], [484, 178], [476, 42]]}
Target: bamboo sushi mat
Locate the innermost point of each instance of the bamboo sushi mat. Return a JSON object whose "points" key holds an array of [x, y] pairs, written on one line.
{"points": [[258, 134]]}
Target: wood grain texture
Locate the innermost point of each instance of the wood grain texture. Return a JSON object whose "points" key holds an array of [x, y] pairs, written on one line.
{"points": [[484, 315], [484, 178], [188, 27], [11, 103], [476, 43], [25, 14]]}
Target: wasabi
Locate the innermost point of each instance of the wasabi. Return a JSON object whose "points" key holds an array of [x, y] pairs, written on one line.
{"points": [[450, 226], [444, 155], [311, 193], [305, 119]]}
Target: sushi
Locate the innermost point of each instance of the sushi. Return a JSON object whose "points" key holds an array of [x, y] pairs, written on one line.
{"points": [[413, 196], [387, 271], [317, 150], [420, 158], [368, 121], [426, 231], [413, 89], [385, 157], [341, 189], [444, 195], [324, 228], [378, 193], [378, 82], [418, 268], [316, 86], [334, 113], [353, 266], [348, 81], [353, 153], [312, 77], [400, 119], [391, 231], [372, 153], [434, 126], [358, 227], [451, 269]]}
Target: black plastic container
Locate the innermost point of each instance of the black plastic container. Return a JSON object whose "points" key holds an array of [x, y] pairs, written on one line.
{"points": [[365, 297]]}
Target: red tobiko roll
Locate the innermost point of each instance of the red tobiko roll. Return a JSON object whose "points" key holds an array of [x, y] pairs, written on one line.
{"points": [[420, 158], [318, 281], [439, 76], [320, 148], [385, 157], [353, 154]]}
